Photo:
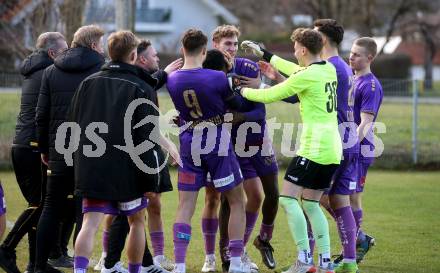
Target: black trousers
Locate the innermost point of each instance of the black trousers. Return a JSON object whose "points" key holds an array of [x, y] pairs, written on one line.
{"points": [[31, 178], [116, 241], [56, 205]]}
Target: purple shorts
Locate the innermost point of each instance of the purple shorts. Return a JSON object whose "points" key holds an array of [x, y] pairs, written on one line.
{"points": [[2, 201], [258, 165], [113, 207], [224, 171], [346, 176], [362, 175]]}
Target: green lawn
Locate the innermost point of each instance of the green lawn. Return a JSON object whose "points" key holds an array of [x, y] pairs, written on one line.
{"points": [[401, 212]]}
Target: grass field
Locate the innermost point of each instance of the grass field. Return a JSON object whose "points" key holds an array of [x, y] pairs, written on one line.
{"points": [[397, 118], [401, 212]]}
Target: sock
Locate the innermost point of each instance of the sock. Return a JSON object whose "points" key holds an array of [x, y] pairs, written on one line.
{"points": [[80, 264], [266, 232], [358, 217], [105, 234], [251, 218], [347, 232], [319, 225], [310, 236], [296, 221], [209, 230], [236, 248], [182, 236], [157, 242], [134, 268]]}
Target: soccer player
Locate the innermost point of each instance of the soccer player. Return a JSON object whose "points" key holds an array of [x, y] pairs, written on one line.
{"points": [[112, 183], [200, 95], [25, 154], [58, 85], [260, 171], [320, 151], [368, 98], [345, 177], [148, 62]]}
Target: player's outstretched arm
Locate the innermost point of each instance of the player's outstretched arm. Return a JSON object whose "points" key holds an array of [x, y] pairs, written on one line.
{"points": [[280, 64], [288, 88]]}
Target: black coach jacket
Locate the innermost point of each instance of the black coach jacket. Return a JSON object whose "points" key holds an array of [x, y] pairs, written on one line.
{"points": [[58, 86], [116, 173], [32, 69]]}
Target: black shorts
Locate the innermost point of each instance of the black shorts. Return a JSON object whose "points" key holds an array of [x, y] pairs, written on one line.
{"points": [[309, 174]]}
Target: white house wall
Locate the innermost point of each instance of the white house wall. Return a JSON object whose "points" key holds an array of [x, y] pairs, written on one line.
{"points": [[418, 72], [185, 14]]}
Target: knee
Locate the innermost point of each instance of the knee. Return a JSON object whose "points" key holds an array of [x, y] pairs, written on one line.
{"points": [[137, 218], [154, 208], [212, 204]]}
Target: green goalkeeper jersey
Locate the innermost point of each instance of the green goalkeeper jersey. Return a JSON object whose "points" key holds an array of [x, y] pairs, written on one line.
{"points": [[315, 86]]}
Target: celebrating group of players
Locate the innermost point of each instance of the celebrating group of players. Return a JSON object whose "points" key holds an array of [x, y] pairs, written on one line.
{"points": [[214, 92]]}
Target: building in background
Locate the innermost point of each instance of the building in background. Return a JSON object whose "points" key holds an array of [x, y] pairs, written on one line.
{"points": [[163, 21]]}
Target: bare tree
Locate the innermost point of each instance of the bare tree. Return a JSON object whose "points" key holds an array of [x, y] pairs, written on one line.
{"points": [[71, 12]]}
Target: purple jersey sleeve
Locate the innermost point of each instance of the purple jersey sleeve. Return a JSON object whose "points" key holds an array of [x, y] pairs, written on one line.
{"points": [[371, 98], [246, 67]]}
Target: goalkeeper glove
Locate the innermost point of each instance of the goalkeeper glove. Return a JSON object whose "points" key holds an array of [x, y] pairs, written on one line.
{"points": [[256, 49]]}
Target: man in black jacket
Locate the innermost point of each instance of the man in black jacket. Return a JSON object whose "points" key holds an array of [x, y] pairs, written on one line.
{"points": [[25, 154], [58, 86], [113, 178], [148, 64]]}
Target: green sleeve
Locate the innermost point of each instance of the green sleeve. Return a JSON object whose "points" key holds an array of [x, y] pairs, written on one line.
{"points": [[284, 66], [294, 84]]}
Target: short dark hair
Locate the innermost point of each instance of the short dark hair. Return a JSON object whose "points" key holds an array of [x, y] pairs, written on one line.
{"points": [[309, 38], [194, 40], [331, 29], [215, 60], [121, 44], [143, 45], [368, 43]]}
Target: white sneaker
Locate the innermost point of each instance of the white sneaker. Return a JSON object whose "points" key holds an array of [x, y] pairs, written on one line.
{"points": [[163, 262], [247, 260], [153, 269], [179, 268], [242, 268], [100, 265], [300, 267], [117, 268], [209, 265]]}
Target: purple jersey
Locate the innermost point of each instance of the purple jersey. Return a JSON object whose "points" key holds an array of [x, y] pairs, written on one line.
{"points": [[345, 96], [253, 111], [198, 95], [368, 96]]}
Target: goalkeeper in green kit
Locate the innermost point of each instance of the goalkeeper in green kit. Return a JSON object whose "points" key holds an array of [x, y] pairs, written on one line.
{"points": [[314, 82]]}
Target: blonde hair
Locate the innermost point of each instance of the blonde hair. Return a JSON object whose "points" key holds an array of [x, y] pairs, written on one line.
{"points": [[48, 40], [224, 31], [85, 36], [121, 44]]}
